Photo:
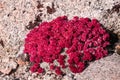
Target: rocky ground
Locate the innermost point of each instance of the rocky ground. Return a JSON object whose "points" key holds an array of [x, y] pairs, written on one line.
{"points": [[18, 17]]}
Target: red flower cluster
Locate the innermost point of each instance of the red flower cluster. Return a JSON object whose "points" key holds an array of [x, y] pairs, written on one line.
{"points": [[84, 39]]}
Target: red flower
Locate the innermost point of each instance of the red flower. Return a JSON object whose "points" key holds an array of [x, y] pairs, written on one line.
{"points": [[87, 56], [52, 67], [40, 70], [73, 69], [34, 67], [83, 38], [81, 66], [58, 71], [76, 60]]}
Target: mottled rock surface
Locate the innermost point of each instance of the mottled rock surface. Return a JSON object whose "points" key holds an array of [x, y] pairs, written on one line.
{"points": [[17, 17]]}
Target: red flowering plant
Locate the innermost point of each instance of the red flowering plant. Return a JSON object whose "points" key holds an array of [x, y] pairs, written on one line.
{"points": [[84, 39]]}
